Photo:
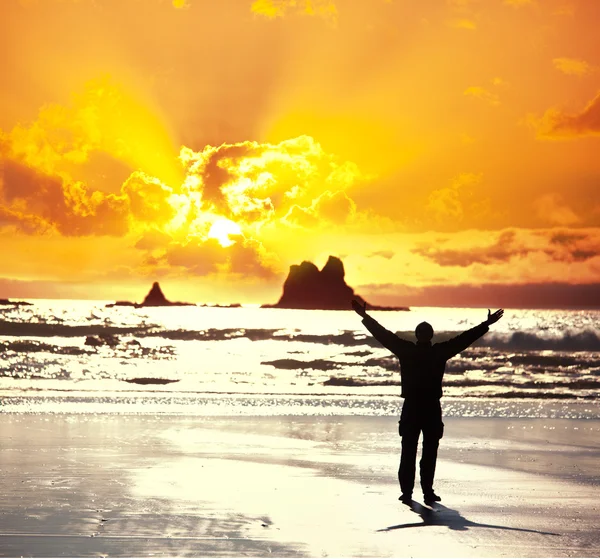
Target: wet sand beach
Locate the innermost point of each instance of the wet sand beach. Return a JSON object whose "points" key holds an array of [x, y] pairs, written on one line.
{"points": [[292, 486]]}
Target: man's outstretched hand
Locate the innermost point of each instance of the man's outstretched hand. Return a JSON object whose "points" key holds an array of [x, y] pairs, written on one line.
{"points": [[495, 317], [360, 309]]}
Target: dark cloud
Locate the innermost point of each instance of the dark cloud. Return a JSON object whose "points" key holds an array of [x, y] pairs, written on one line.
{"points": [[561, 246], [34, 201], [582, 255], [566, 237], [559, 124], [215, 174], [505, 248], [530, 295], [573, 246], [24, 223], [28, 189]]}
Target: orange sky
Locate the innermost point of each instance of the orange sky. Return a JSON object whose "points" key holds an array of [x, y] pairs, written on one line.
{"points": [[432, 145]]}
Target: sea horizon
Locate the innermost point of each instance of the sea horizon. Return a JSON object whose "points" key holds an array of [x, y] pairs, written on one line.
{"points": [[13, 300]]}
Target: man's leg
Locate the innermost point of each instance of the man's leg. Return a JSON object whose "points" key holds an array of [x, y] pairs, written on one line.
{"points": [[428, 462], [408, 459], [409, 429], [432, 433]]}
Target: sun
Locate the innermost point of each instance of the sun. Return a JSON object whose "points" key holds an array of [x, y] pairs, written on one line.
{"points": [[222, 230]]}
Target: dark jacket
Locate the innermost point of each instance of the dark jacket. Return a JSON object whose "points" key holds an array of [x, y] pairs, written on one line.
{"points": [[422, 365]]}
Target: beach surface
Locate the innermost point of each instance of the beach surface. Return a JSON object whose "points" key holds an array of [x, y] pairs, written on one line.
{"points": [[95, 485]]}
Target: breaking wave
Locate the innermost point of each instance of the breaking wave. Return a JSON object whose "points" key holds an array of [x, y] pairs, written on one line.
{"points": [[59, 330], [472, 383], [585, 340]]}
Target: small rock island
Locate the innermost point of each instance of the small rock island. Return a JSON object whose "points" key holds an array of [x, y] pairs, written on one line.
{"points": [[307, 287], [155, 298]]}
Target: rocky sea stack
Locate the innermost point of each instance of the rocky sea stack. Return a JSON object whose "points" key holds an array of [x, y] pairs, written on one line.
{"points": [[155, 298], [307, 287]]}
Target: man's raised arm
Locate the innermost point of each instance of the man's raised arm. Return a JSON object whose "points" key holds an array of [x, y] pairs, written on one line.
{"points": [[464, 340], [382, 335]]}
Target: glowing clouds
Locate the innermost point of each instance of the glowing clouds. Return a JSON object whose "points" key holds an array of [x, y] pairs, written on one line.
{"points": [[331, 207], [572, 66], [237, 198], [104, 117], [483, 94], [234, 199], [487, 94], [210, 221], [280, 8], [464, 14], [459, 23], [268, 8], [148, 199], [253, 184], [450, 202]]}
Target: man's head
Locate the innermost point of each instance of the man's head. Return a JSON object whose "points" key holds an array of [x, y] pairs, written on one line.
{"points": [[424, 332]]}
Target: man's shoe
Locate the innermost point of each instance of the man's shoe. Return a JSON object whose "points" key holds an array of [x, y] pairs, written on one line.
{"points": [[406, 499], [430, 498]]}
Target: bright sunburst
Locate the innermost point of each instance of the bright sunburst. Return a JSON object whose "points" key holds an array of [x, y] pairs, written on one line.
{"points": [[222, 230]]}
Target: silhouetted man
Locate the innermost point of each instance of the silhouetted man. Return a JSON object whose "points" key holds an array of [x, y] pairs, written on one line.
{"points": [[422, 368]]}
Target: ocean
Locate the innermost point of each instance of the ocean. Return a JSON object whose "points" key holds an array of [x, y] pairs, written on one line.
{"points": [[82, 357]]}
